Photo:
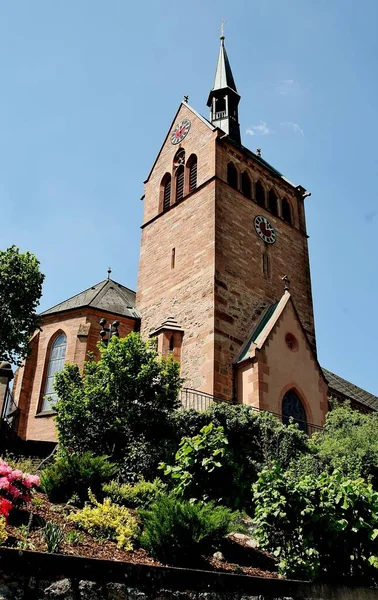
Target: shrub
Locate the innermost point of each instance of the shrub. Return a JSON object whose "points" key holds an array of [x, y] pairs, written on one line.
{"points": [[15, 487], [3, 532], [123, 401], [107, 520], [178, 531], [22, 463], [73, 473], [53, 535], [319, 527], [140, 495]]}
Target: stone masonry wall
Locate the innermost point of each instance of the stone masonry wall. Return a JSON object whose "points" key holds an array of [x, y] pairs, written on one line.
{"points": [[242, 289]]}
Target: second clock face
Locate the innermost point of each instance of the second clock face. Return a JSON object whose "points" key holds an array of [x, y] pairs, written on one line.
{"points": [[180, 131], [265, 230]]}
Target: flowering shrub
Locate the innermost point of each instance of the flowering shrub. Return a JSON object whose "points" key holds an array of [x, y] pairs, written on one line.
{"points": [[108, 521], [15, 487]]}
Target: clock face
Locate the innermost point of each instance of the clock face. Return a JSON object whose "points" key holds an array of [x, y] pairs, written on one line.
{"points": [[265, 230], [180, 131]]}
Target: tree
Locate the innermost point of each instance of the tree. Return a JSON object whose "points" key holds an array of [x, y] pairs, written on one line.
{"points": [[121, 406], [20, 292]]}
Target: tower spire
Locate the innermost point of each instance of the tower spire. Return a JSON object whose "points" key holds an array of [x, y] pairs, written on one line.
{"points": [[223, 98]]}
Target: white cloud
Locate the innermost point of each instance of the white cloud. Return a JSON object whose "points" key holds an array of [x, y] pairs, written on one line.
{"points": [[294, 126], [260, 129]]}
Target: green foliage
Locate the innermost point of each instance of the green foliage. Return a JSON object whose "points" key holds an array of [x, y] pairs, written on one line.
{"points": [[322, 527], [20, 292], [3, 532], [348, 443], [178, 531], [74, 538], [54, 536], [247, 441], [200, 466], [73, 473], [122, 405], [140, 495], [107, 521], [22, 463]]}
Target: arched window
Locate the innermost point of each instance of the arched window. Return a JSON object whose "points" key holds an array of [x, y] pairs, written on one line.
{"points": [[260, 194], [286, 211], [273, 202], [293, 408], [192, 168], [246, 185], [180, 173], [55, 365], [232, 176], [166, 191], [172, 343]]}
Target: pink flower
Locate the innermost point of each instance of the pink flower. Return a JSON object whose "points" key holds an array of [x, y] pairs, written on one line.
{"points": [[5, 469], [4, 483], [15, 475], [14, 491], [35, 480]]}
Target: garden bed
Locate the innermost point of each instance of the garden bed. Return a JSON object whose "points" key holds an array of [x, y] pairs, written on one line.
{"points": [[25, 531]]}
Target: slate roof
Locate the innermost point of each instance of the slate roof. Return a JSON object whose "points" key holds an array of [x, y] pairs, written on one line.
{"points": [[351, 391], [108, 295], [223, 74]]}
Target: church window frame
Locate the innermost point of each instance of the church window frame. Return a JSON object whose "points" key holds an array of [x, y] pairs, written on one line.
{"points": [[286, 210], [260, 194], [293, 410], [273, 202], [246, 185], [172, 343], [165, 192], [179, 174], [54, 363], [232, 176], [291, 342], [192, 173]]}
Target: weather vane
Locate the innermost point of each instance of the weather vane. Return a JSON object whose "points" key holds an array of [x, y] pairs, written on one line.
{"points": [[223, 22]]}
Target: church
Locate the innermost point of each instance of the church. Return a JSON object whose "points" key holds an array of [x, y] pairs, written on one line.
{"points": [[223, 285]]}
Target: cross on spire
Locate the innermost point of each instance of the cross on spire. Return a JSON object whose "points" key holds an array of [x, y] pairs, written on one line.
{"points": [[221, 29], [287, 283], [109, 271]]}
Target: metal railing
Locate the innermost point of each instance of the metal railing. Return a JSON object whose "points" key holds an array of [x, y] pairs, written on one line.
{"points": [[201, 401]]}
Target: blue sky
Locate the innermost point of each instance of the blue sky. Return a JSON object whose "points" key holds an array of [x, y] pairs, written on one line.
{"points": [[89, 89]]}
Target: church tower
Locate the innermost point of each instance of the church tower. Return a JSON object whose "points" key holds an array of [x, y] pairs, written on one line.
{"points": [[221, 229]]}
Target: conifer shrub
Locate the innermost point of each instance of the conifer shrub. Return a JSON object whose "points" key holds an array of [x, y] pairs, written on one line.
{"points": [[72, 474], [177, 531], [107, 521], [140, 495]]}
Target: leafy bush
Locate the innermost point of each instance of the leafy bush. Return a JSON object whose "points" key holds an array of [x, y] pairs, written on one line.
{"points": [[349, 443], [122, 404], [178, 531], [140, 495], [53, 535], [73, 473], [109, 521], [22, 463], [319, 527], [3, 532]]}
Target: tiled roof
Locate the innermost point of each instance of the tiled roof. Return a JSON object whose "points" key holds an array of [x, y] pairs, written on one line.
{"points": [[256, 331], [108, 295], [350, 391]]}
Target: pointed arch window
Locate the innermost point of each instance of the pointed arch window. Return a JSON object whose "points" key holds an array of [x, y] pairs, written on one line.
{"points": [[166, 191], [273, 202], [54, 366], [292, 408], [192, 167], [286, 211], [246, 185], [232, 176], [180, 175], [260, 194]]}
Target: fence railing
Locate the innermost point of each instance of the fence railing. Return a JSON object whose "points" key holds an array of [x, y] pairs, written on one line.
{"points": [[201, 401]]}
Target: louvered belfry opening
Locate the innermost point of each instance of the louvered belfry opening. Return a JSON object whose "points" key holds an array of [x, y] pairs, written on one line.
{"points": [[180, 183], [167, 194], [193, 175]]}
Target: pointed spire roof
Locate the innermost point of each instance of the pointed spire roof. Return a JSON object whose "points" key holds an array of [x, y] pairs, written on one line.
{"points": [[223, 74], [108, 295]]}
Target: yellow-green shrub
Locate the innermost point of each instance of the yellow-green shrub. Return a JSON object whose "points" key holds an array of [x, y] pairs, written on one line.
{"points": [[3, 533], [107, 520]]}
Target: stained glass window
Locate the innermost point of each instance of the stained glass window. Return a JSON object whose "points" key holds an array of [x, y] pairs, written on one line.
{"points": [[56, 364], [293, 408]]}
